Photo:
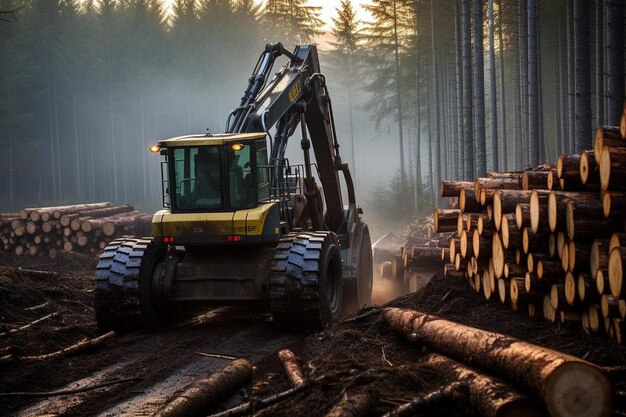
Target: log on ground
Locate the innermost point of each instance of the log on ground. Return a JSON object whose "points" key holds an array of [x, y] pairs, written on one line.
{"points": [[567, 385], [198, 397]]}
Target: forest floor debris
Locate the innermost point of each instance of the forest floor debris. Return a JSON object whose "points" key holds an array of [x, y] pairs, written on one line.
{"points": [[361, 357]]}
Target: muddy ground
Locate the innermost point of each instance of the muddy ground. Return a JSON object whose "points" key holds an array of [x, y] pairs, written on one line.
{"points": [[360, 354]]}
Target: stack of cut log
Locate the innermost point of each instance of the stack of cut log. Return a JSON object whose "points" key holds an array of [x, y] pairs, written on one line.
{"points": [[550, 241], [83, 228], [423, 243]]}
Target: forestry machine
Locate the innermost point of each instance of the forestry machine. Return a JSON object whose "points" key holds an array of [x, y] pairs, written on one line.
{"points": [[240, 223]]}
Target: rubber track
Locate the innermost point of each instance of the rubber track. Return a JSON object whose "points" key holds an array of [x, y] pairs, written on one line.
{"points": [[294, 286], [117, 284]]}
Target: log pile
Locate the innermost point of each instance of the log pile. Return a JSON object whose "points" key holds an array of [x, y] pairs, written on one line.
{"points": [[549, 241], [82, 228], [426, 245]]}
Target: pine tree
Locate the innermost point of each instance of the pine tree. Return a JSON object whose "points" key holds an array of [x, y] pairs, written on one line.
{"points": [[345, 61], [291, 22], [388, 40]]}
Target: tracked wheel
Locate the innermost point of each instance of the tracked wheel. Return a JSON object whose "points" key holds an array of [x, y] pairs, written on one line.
{"points": [[358, 291], [306, 284], [122, 286]]}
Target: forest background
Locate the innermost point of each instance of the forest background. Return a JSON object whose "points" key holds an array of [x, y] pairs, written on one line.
{"points": [[423, 90]]}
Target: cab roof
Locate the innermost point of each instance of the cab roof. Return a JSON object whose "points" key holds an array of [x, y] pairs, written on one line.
{"points": [[213, 139]]}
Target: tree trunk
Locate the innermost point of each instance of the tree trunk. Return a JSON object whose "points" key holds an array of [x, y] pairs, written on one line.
{"points": [[600, 118], [505, 164], [493, 108], [478, 84], [614, 60], [535, 143], [554, 377], [583, 75], [468, 115]]}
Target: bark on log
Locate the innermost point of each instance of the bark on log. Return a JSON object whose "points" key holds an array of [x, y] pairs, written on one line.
{"points": [[557, 206], [535, 180], [504, 201], [568, 167], [509, 182], [445, 220], [197, 398], [353, 405], [617, 240], [567, 385], [488, 396], [468, 202], [585, 219], [613, 168], [453, 188], [291, 367]]}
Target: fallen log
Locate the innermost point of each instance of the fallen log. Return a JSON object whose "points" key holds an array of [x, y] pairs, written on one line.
{"points": [[197, 398], [291, 367], [488, 396], [353, 405], [70, 350], [567, 385], [454, 392], [585, 219]]}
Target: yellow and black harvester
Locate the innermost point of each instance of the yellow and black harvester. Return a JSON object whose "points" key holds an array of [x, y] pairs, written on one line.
{"points": [[240, 223]]}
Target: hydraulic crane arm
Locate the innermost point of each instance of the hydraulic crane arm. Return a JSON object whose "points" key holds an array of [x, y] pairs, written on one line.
{"points": [[296, 94]]}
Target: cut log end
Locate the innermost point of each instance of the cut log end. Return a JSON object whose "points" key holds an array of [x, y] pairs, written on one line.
{"points": [[577, 389]]}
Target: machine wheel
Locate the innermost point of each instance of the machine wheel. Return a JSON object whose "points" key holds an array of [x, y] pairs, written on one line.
{"points": [[122, 286], [306, 284], [359, 290]]}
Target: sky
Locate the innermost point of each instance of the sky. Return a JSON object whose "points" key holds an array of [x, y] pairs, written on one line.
{"points": [[328, 9]]}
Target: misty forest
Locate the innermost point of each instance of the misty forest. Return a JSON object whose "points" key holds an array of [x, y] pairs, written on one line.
{"points": [[423, 90]]}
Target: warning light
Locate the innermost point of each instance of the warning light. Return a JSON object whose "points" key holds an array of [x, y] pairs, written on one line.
{"points": [[155, 148], [234, 238], [236, 146], [168, 239]]}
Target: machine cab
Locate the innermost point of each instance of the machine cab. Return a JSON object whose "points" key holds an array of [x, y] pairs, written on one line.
{"points": [[216, 189], [216, 173]]}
